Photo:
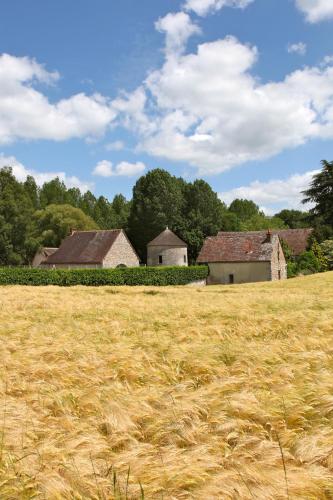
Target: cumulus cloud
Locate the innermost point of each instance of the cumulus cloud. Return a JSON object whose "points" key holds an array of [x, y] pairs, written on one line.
{"points": [[21, 172], [105, 168], [26, 113], [209, 109], [297, 48], [178, 28], [204, 7], [316, 10], [274, 194]]}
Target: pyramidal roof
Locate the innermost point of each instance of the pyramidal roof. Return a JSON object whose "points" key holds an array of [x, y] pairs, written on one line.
{"points": [[167, 238]]}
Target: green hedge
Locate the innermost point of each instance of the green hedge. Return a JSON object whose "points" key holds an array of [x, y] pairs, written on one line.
{"points": [[156, 276]]}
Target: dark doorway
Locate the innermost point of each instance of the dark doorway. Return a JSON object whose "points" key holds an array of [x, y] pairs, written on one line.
{"points": [[160, 259], [231, 279]]}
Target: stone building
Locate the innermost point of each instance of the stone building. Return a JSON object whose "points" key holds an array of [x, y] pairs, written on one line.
{"points": [[244, 257], [94, 249], [167, 250], [42, 255]]}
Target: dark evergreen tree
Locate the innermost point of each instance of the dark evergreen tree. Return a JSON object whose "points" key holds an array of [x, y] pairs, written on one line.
{"points": [[320, 193]]}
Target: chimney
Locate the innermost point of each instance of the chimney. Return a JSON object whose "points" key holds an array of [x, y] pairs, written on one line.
{"points": [[269, 236]]}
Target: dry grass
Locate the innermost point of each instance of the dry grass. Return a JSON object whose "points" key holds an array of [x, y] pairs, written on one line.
{"points": [[212, 393]]}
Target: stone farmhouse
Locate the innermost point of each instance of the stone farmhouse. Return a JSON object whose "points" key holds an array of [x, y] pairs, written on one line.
{"points": [[167, 249], [243, 257], [94, 249]]}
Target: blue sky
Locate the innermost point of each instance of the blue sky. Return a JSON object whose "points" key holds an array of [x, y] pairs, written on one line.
{"points": [[238, 92]]}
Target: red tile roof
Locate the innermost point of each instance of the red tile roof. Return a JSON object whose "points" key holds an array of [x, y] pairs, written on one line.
{"points": [[167, 238], [84, 247], [238, 247], [296, 239]]}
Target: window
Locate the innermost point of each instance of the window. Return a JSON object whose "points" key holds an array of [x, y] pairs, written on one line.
{"points": [[160, 259], [231, 279], [185, 259]]}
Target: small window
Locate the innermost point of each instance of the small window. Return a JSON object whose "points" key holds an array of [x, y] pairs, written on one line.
{"points": [[185, 259], [231, 279], [160, 259]]}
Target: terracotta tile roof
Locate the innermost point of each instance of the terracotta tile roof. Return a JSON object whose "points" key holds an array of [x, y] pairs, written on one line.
{"points": [[296, 239], [167, 238], [84, 247], [238, 247]]}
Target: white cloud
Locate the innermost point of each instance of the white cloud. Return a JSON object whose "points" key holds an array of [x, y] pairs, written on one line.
{"points": [[115, 146], [105, 168], [316, 10], [178, 28], [275, 194], [204, 7], [26, 113], [209, 109], [297, 48], [21, 173]]}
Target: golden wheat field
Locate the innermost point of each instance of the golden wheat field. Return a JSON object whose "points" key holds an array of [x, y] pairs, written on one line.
{"points": [[167, 393]]}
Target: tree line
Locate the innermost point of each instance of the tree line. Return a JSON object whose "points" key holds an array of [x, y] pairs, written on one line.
{"points": [[33, 216]]}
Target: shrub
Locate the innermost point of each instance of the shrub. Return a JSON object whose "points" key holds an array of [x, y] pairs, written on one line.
{"points": [[161, 276], [327, 249]]}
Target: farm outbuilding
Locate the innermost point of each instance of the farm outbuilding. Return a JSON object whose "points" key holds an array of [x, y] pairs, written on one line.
{"points": [[167, 249], [41, 255], [94, 249], [243, 257]]}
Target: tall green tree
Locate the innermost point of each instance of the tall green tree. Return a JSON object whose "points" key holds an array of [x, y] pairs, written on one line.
{"points": [[53, 192], [121, 209], [203, 214], [16, 209], [157, 203]]}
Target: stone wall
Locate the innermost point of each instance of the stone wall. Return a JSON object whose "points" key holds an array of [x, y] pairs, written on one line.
{"points": [[243, 272], [278, 261], [171, 256], [121, 253]]}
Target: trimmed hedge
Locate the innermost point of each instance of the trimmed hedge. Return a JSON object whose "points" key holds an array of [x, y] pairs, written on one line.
{"points": [[156, 276]]}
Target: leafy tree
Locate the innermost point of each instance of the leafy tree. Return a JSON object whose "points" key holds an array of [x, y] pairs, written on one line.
{"points": [[157, 203], [294, 219], [202, 215], [53, 193], [121, 209], [32, 191], [244, 209], [261, 222], [320, 193], [16, 209], [73, 197], [87, 203], [53, 223]]}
